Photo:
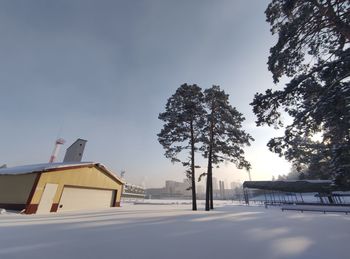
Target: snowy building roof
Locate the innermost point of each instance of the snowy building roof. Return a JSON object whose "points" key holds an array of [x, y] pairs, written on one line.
{"points": [[47, 167], [295, 186]]}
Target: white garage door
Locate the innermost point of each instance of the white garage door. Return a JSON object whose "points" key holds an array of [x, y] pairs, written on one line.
{"points": [[83, 198]]}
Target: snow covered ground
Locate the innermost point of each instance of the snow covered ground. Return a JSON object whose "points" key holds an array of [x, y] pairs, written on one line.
{"points": [[174, 231]]}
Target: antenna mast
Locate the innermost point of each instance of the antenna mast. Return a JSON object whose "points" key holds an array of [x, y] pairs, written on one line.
{"points": [[56, 149]]}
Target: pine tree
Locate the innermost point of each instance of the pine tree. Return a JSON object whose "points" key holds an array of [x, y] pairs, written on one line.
{"points": [[223, 136], [313, 50], [184, 118]]}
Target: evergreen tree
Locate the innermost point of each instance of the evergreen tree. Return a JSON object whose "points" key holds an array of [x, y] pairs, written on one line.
{"points": [[184, 118], [313, 49], [223, 137]]}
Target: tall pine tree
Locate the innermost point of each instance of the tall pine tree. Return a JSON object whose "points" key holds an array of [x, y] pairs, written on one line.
{"points": [[223, 136], [184, 120]]}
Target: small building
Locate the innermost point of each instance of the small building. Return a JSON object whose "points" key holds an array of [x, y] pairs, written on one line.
{"points": [[56, 187], [133, 192]]}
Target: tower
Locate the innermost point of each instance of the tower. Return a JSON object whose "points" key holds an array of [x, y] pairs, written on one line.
{"points": [[56, 149], [75, 151]]}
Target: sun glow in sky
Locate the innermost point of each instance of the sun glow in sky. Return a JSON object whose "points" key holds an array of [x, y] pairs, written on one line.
{"points": [[103, 70]]}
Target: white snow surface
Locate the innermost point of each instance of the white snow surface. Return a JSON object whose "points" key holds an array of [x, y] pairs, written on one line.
{"points": [[25, 169], [174, 231]]}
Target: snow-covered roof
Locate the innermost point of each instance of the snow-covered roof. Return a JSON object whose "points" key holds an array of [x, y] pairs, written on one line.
{"points": [[296, 185], [46, 167], [26, 169]]}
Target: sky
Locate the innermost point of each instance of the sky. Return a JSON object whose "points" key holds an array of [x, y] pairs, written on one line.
{"points": [[103, 70]]}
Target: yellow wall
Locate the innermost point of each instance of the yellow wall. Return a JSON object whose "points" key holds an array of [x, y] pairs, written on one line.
{"points": [[15, 189], [84, 177]]}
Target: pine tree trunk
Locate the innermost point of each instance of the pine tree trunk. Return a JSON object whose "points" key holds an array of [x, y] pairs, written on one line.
{"points": [[209, 193], [194, 198], [211, 189]]}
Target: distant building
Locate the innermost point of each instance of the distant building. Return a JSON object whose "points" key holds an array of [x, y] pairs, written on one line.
{"points": [[156, 193], [176, 188], [55, 187], [200, 189], [172, 189], [75, 151], [133, 192], [235, 184], [215, 184], [222, 189]]}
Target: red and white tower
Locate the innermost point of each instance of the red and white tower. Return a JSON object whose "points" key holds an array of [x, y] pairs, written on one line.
{"points": [[56, 149]]}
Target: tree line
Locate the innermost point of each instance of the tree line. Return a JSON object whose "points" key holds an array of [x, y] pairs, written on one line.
{"points": [[203, 121]]}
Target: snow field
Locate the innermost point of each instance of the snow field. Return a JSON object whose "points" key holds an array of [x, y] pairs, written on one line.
{"points": [[174, 231]]}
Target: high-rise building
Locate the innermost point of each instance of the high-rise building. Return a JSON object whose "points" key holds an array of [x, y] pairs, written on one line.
{"points": [[215, 184], [222, 189]]}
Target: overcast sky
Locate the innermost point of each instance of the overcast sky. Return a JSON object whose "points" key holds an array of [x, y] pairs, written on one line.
{"points": [[103, 70]]}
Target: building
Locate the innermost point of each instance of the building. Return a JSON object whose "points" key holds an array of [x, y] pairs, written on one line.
{"points": [[133, 192], [177, 188], [156, 193], [55, 187], [235, 185], [200, 189], [172, 189], [74, 152], [215, 183], [222, 190]]}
